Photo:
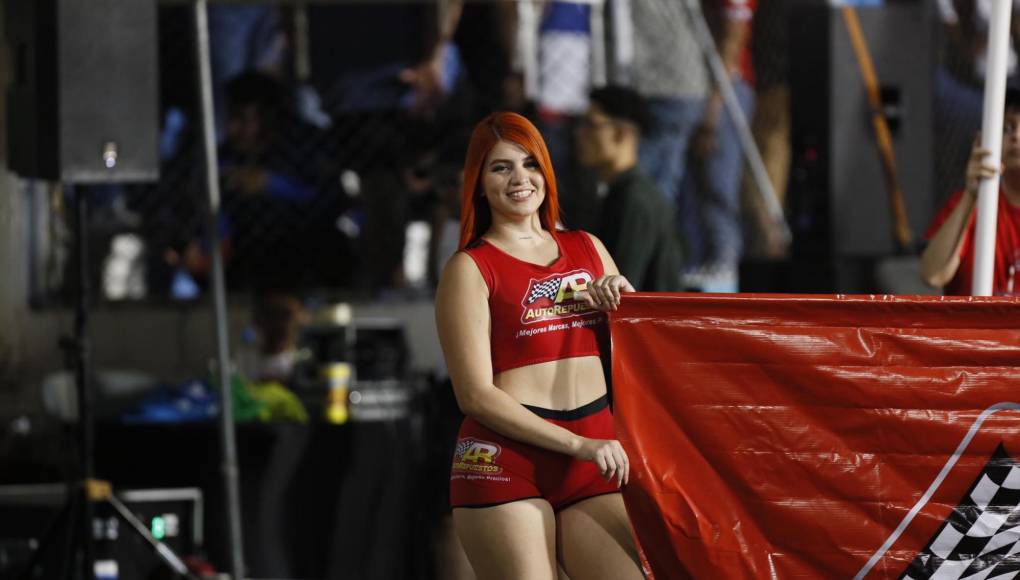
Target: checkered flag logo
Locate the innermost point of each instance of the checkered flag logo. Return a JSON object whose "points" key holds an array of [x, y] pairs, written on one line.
{"points": [[462, 447], [547, 289], [979, 540]]}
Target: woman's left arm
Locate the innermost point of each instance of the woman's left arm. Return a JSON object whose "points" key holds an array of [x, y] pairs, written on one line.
{"points": [[604, 292]]}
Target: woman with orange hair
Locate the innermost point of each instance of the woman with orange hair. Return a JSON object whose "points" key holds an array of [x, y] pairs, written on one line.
{"points": [[520, 312]]}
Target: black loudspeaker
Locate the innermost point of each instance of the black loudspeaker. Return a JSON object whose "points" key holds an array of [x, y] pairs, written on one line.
{"points": [[82, 100], [838, 199]]}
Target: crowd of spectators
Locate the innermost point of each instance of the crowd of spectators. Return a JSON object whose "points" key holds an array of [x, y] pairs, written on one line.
{"points": [[341, 131]]}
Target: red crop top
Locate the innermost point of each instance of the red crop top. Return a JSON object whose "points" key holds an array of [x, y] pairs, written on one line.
{"points": [[534, 317]]}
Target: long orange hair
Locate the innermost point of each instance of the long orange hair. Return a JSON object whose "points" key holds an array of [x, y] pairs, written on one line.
{"points": [[475, 213]]}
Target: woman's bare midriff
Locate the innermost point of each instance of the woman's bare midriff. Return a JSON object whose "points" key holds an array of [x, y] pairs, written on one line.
{"points": [[560, 385]]}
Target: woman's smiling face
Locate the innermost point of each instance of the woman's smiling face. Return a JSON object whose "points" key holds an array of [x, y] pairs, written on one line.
{"points": [[512, 181]]}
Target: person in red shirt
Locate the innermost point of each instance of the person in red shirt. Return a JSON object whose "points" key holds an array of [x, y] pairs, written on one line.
{"points": [[948, 260], [536, 472]]}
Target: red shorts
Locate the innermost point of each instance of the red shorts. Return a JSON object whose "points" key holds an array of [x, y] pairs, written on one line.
{"points": [[490, 469]]}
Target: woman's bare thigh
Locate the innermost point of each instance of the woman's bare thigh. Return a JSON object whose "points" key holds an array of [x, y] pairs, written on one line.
{"points": [[515, 541], [595, 541]]}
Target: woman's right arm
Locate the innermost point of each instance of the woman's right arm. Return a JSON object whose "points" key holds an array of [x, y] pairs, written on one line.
{"points": [[463, 322]]}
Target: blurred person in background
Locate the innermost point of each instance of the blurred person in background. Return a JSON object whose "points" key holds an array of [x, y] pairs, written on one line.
{"points": [[367, 57], [948, 260], [386, 71], [564, 63], [445, 214], [258, 176], [278, 320], [486, 37], [770, 126], [636, 222], [271, 182], [380, 69], [709, 202], [404, 205], [669, 71], [959, 79], [537, 469], [259, 154], [243, 37]]}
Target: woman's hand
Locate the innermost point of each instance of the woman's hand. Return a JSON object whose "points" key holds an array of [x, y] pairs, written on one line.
{"points": [[604, 293], [609, 456]]}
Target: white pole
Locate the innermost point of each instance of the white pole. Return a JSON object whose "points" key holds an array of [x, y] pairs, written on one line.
{"points": [[991, 139]]}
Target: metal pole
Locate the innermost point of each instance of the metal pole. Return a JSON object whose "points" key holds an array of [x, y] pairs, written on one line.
{"points": [[752, 156], [82, 372], [228, 446], [991, 139], [165, 553]]}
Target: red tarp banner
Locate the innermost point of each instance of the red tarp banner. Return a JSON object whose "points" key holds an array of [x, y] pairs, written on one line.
{"points": [[777, 436]]}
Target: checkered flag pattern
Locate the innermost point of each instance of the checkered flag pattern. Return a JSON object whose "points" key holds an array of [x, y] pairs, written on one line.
{"points": [[547, 289], [979, 541], [462, 447]]}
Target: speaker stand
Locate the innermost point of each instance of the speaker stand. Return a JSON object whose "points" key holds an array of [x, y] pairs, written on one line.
{"points": [[76, 517]]}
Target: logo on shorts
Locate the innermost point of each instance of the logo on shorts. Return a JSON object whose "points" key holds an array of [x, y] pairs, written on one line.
{"points": [[476, 456], [553, 297]]}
